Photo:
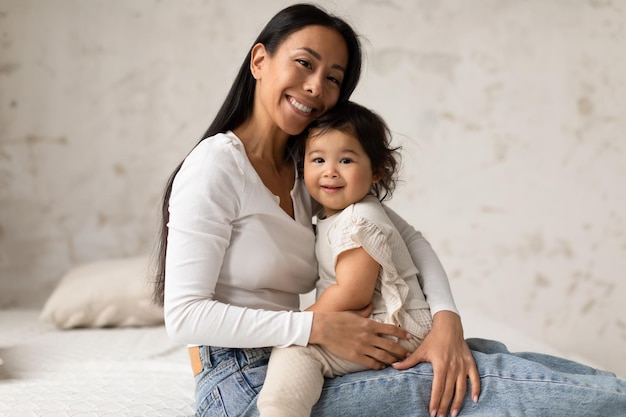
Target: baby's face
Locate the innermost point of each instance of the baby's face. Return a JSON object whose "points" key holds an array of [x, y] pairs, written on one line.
{"points": [[337, 171]]}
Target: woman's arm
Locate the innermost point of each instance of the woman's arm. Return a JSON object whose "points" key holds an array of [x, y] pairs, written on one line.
{"points": [[444, 346], [433, 278], [206, 199]]}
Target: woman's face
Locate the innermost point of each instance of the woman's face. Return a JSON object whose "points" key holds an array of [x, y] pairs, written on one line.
{"points": [[301, 80]]}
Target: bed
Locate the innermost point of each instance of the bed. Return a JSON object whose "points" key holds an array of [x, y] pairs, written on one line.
{"points": [[98, 348], [90, 372]]}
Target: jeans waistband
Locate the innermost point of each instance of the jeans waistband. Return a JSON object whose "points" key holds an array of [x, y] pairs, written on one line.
{"points": [[207, 357]]}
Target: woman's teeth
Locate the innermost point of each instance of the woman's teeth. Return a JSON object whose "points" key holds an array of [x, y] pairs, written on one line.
{"points": [[300, 106]]}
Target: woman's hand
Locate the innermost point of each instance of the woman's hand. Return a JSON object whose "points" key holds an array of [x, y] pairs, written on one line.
{"points": [[352, 336], [452, 362]]}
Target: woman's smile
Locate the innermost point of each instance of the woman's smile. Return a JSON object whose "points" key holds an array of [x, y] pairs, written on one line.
{"points": [[300, 106]]}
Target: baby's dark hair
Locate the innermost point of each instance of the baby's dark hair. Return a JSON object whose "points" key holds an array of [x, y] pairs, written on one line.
{"points": [[371, 131]]}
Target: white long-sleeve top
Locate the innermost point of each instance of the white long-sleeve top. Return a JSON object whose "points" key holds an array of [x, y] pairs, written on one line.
{"points": [[236, 262]]}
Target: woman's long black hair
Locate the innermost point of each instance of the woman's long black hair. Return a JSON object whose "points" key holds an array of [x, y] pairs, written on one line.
{"points": [[237, 106]]}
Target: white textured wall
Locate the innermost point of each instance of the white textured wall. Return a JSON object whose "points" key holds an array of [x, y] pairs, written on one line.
{"points": [[511, 115]]}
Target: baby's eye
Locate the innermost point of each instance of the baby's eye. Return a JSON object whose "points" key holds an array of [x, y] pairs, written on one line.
{"points": [[345, 161], [304, 63], [318, 160]]}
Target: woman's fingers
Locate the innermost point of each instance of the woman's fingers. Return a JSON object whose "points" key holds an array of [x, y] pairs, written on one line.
{"points": [[388, 352], [383, 340], [437, 393], [459, 394], [474, 381], [450, 385], [357, 339], [448, 380], [380, 347], [372, 344], [452, 361]]}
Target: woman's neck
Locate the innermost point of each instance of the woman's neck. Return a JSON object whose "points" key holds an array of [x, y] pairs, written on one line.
{"points": [[263, 142], [266, 151]]}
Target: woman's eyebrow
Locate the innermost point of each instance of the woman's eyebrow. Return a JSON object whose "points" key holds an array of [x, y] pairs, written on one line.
{"points": [[319, 57]]}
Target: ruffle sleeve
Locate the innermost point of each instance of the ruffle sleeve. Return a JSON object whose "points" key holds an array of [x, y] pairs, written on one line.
{"points": [[392, 290]]}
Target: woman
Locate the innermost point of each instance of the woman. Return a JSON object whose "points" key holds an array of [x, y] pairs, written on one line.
{"points": [[237, 248]]}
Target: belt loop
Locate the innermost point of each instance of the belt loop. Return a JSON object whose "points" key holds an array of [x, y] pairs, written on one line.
{"points": [[206, 356]]}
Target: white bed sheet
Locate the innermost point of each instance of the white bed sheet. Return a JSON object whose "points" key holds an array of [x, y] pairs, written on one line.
{"points": [[90, 372]]}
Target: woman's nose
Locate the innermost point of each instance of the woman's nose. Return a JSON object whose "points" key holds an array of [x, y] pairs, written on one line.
{"points": [[313, 85]]}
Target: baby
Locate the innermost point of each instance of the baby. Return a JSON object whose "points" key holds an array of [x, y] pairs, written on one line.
{"points": [[349, 168]]}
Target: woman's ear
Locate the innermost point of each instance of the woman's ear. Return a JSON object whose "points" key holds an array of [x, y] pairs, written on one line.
{"points": [[257, 58]]}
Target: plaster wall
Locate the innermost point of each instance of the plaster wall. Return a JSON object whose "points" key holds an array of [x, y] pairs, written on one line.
{"points": [[510, 114]]}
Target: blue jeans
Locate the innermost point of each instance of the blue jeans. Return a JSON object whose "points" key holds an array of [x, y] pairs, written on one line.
{"points": [[520, 384]]}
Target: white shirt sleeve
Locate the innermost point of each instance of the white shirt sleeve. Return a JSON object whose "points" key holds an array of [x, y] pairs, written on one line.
{"points": [[433, 277], [206, 197]]}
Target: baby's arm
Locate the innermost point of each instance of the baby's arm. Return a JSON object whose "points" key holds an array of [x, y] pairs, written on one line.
{"points": [[356, 273]]}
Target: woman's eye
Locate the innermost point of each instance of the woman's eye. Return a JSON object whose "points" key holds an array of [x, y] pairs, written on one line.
{"points": [[304, 63], [334, 80]]}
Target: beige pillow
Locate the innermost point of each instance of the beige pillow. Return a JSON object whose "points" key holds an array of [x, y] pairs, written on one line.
{"points": [[109, 293]]}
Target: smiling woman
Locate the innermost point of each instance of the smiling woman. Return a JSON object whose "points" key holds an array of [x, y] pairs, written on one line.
{"points": [[298, 82], [238, 187], [295, 84], [237, 250]]}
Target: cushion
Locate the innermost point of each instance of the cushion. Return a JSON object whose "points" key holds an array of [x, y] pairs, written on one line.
{"points": [[107, 293]]}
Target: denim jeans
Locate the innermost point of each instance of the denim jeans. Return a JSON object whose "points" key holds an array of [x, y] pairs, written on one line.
{"points": [[512, 384]]}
